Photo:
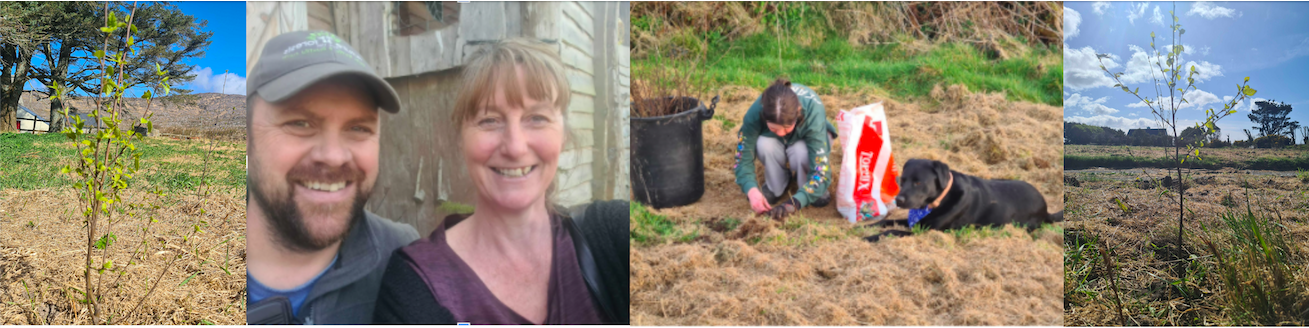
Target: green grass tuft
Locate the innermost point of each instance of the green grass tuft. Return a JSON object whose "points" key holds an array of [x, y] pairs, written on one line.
{"points": [[1257, 271], [649, 228], [834, 63]]}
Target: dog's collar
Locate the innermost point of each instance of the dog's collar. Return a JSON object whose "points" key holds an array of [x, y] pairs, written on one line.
{"points": [[943, 193]]}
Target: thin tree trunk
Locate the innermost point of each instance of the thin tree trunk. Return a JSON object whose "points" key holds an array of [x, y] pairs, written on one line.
{"points": [[90, 244], [59, 75], [1177, 156]]}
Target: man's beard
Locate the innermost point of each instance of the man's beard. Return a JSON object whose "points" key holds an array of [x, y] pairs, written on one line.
{"points": [[287, 219]]}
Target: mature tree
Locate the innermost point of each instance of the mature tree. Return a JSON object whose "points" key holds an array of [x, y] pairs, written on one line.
{"points": [[21, 31], [73, 31], [66, 36], [1271, 116], [1193, 135], [166, 37], [1294, 126]]}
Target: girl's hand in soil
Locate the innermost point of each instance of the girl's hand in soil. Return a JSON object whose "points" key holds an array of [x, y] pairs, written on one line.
{"points": [[758, 202], [783, 210]]}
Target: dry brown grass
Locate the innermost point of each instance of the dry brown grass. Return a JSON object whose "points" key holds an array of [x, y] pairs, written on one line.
{"points": [[929, 279], [226, 134], [1225, 154], [41, 262], [815, 270], [992, 26], [1145, 238]]}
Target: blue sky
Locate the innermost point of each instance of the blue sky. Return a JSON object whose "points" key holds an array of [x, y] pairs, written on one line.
{"points": [[1226, 41], [226, 52]]}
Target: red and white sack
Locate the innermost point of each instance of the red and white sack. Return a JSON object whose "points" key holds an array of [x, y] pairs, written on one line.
{"points": [[867, 186]]}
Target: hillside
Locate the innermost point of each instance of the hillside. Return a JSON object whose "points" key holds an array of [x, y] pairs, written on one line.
{"points": [[197, 111]]}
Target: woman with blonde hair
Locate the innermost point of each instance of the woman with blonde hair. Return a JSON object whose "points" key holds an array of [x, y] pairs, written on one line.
{"points": [[517, 259]]}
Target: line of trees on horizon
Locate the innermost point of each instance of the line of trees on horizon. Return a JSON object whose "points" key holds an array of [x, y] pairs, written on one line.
{"points": [[1273, 129]]}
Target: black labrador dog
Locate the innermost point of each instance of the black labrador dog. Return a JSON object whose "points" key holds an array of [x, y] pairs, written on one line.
{"points": [[962, 200]]}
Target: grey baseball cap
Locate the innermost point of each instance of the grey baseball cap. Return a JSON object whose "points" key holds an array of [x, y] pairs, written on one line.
{"points": [[294, 61]]}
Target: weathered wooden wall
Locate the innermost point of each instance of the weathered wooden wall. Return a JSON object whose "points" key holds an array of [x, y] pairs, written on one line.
{"points": [[265, 20], [421, 166]]}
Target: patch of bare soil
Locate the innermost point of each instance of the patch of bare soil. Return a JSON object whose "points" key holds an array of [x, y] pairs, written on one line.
{"points": [[815, 270], [43, 248], [1143, 233]]}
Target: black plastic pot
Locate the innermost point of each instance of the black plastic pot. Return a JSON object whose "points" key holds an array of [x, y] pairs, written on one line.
{"points": [[668, 154]]}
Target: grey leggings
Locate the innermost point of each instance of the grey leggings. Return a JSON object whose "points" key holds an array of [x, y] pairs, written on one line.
{"points": [[776, 157]]}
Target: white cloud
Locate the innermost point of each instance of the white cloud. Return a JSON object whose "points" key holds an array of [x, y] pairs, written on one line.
{"points": [[1071, 20], [1136, 11], [1188, 49], [1157, 18], [1210, 11], [1203, 51], [205, 81], [1142, 67], [1116, 122], [1200, 99], [1204, 70], [1082, 69], [1095, 107], [1194, 98], [1099, 7]]}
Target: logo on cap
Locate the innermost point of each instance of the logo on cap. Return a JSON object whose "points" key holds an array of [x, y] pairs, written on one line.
{"points": [[320, 41]]}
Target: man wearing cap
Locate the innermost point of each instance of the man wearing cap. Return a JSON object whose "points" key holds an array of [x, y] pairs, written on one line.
{"points": [[314, 255]]}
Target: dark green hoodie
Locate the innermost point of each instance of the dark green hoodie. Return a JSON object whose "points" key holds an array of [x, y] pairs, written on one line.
{"points": [[812, 129]]}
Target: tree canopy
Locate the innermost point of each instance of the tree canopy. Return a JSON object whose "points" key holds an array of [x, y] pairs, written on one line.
{"points": [[64, 35], [1271, 118]]}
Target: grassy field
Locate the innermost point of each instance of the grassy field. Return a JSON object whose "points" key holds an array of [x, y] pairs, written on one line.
{"points": [[836, 66], [848, 48], [32, 161], [1078, 157], [188, 242], [1243, 260]]}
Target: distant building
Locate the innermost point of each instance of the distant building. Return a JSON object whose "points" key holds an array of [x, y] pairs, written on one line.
{"points": [[1147, 132], [30, 122]]}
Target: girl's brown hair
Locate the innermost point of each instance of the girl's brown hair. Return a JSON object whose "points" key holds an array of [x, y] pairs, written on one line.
{"points": [[781, 105]]}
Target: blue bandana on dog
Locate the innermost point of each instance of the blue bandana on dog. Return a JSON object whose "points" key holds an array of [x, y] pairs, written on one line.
{"points": [[917, 214]]}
